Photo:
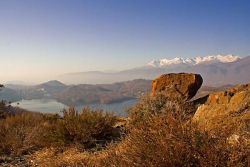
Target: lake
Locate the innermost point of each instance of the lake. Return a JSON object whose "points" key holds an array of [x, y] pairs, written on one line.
{"points": [[52, 106]]}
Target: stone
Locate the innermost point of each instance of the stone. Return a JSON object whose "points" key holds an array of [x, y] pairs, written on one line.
{"points": [[224, 106], [181, 85]]}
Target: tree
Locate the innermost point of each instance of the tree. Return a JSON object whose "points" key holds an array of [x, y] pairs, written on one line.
{"points": [[2, 106], [1, 86]]}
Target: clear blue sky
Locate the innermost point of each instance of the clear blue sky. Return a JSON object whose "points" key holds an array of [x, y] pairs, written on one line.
{"points": [[42, 38]]}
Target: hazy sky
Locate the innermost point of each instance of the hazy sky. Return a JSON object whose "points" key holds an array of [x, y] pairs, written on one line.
{"points": [[43, 38]]}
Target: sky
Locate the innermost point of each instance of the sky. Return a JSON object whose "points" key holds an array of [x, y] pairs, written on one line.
{"points": [[40, 39]]}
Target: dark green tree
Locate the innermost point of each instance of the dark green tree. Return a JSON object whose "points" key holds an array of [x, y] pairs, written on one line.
{"points": [[2, 106]]}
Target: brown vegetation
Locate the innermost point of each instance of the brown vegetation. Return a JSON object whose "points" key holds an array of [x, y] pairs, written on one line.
{"points": [[160, 131], [164, 138], [26, 132]]}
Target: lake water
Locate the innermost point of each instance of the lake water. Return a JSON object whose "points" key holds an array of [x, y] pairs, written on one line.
{"points": [[52, 106]]}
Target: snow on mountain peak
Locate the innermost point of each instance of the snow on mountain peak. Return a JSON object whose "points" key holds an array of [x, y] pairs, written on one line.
{"points": [[194, 61]]}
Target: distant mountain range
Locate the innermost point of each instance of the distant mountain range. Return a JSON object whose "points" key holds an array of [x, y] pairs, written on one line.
{"points": [[194, 61], [111, 87], [216, 71], [78, 94]]}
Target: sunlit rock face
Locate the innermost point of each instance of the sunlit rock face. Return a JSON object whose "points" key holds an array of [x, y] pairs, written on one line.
{"points": [[224, 106], [181, 85]]}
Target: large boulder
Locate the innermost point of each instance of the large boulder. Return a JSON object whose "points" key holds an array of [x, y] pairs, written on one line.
{"points": [[225, 107], [181, 85]]}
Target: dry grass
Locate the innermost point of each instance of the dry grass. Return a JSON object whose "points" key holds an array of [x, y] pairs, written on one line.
{"points": [[18, 133], [27, 132], [160, 133], [86, 128], [165, 141], [159, 139], [150, 106]]}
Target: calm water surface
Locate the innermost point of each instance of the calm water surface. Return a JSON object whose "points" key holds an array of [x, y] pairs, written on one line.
{"points": [[52, 106]]}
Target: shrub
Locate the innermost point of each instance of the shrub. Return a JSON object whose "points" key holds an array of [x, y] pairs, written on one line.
{"points": [[27, 132], [86, 128], [2, 110], [162, 134], [17, 132], [150, 106], [165, 140]]}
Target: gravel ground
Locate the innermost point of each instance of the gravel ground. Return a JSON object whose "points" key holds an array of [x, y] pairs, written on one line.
{"points": [[14, 162]]}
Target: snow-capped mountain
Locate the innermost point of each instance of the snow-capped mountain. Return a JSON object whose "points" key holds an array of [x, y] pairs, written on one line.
{"points": [[194, 61], [216, 71]]}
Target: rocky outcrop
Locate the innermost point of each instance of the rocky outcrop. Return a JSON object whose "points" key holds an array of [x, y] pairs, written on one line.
{"points": [[224, 106], [183, 85], [229, 108]]}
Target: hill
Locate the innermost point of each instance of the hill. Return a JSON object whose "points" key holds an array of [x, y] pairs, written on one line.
{"points": [[103, 93], [78, 94]]}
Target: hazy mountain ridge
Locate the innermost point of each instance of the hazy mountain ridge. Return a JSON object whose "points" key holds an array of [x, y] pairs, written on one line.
{"points": [[103, 93], [9, 95], [215, 74], [78, 94], [217, 71]]}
